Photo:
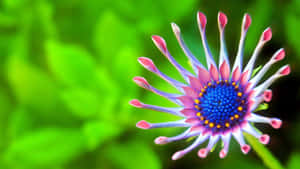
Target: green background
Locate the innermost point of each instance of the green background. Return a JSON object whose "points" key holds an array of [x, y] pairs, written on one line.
{"points": [[66, 74]]}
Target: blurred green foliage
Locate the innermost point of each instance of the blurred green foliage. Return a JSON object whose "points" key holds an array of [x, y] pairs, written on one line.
{"points": [[66, 78]]}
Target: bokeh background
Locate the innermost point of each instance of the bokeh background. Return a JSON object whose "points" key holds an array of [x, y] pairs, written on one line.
{"points": [[66, 74]]}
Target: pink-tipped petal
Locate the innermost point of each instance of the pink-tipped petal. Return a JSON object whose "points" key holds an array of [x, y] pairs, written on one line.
{"points": [[236, 74], [214, 72], [244, 78], [224, 71], [161, 140], [160, 43], [201, 19], [223, 153], [147, 63], [136, 103], [245, 149], [202, 153], [187, 101], [248, 87], [192, 120], [196, 128], [195, 83], [267, 34], [178, 155], [143, 124], [268, 95], [222, 18], [279, 56], [188, 112], [142, 82], [204, 76], [276, 123], [264, 139], [247, 21], [286, 70], [190, 92]]}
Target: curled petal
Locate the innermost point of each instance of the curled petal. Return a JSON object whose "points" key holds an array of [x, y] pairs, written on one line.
{"points": [[162, 46], [201, 18], [239, 57], [265, 37]]}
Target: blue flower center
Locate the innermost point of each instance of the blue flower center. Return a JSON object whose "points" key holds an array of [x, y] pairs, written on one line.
{"points": [[221, 105]]}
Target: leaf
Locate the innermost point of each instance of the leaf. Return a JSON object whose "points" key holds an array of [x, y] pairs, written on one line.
{"points": [[98, 132], [111, 34], [133, 155], [45, 148], [31, 86], [81, 102], [20, 123], [266, 156], [125, 67], [256, 70], [293, 162], [179, 8], [71, 64], [262, 106]]}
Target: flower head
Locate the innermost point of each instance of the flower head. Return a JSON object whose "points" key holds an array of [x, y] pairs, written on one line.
{"points": [[216, 103]]}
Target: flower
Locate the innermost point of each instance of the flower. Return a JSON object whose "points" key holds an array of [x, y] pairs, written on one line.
{"points": [[216, 103]]}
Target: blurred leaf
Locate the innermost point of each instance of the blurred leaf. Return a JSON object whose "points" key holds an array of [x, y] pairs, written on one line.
{"points": [[83, 103], [46, 147], [133, 155], [109, 94], [125, 67], [31, 86], [72, 65], [14, 5], [111, 34], [293, 162], [179, 8], [20, 123], [97, 132]]}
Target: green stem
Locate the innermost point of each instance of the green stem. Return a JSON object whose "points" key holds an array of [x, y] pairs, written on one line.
{"points": [[267, 157]]}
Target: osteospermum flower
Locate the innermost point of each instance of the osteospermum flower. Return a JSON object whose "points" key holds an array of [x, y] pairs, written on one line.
{"points": [[216, 103]]}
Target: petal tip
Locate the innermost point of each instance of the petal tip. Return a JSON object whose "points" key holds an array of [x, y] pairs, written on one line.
{"points": [[136, 103], [276, 123], [267, 34], [202, 153], [245, 149], [142, 82], [268, 95], [264, 139], [175, 28], [222, 18], [285, 71], [247, 21], [161, 140], [223, 154], [178, 155], [147, 63], [201, 19], [280, 55], [160, 43], [143, 124]]}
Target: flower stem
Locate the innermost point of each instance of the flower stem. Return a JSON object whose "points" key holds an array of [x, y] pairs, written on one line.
{"points": [[267, 157]]}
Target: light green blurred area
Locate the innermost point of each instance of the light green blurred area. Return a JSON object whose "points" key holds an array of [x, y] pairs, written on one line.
{"points": [[66, 79]]}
